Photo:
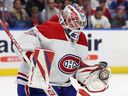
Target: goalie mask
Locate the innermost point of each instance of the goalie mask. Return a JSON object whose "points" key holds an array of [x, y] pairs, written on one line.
{"points": [[74, 20]]}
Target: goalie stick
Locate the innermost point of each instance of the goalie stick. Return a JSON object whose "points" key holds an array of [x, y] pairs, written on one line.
{"points": [[50, 91]]}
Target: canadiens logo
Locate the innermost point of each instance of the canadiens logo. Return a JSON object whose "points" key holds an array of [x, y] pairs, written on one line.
{"points": [[69, 64]]}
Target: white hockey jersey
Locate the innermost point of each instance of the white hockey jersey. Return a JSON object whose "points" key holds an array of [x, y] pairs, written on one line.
{"points": [[68, 56]]}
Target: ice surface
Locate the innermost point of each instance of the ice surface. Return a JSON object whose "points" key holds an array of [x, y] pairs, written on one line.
{"points": [[118, 86]]}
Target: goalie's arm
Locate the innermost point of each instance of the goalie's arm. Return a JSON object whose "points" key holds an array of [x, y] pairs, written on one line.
{"points": [[26, 48], [30, 40]]}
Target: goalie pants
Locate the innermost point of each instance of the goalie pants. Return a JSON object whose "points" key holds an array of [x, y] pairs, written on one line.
{"points": [[61, 91]]}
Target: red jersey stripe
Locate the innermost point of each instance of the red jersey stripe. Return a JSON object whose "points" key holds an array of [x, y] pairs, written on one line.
{"points": [[22, 74]]}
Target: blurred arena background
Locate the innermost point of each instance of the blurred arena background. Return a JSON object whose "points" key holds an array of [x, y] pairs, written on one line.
{"points": [[107, 32]]}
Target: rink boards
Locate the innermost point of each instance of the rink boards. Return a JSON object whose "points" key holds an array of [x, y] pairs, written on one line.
{"points": [[104, 45]]}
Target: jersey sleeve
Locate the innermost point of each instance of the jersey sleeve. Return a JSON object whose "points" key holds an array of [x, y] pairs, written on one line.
{"points": [[29, 40]]}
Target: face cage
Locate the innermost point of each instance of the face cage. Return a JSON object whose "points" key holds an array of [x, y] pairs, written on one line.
{"points": [[75, 23]]}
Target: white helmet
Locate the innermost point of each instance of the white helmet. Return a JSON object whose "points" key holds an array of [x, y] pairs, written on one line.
{"points": [[74, 19]]}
